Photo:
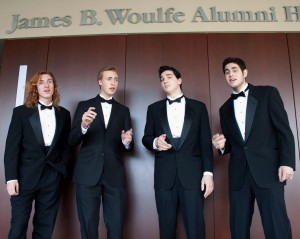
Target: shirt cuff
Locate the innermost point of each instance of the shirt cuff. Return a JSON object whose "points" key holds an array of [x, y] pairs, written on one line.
{"points": [[154, 145], [208, 173], [10, 181], [84, 130], [127, 146]]}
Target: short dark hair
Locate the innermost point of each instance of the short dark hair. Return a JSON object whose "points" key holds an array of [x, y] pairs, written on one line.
{"points": [[235, 60], [169, 68]]}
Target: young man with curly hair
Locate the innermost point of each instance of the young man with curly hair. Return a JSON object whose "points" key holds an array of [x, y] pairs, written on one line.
{"points": [[36, 157]]}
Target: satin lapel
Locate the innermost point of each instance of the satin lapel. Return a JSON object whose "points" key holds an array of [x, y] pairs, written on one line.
{"points": [[250, 112], [165, 124], [233, 123], [99, 111], [58, 129], [114, 110], [36, 126], [188, 119]]}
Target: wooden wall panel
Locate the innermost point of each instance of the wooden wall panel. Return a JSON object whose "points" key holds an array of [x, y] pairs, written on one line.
{"points": [[293, 192], [267, 59], [294, 53], [32, 53], [145, 53]]}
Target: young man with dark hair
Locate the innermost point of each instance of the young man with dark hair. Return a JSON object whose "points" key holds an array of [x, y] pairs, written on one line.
{"points": [[177, 130], [256, 133]]}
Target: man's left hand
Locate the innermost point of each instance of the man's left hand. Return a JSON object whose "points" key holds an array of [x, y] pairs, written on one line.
{"points": [[207, 184], [127, 136], [285, 173]]}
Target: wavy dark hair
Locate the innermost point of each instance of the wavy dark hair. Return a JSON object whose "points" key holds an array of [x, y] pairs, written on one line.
{"points": [[170, 68], [240, 62], [32, 95]]}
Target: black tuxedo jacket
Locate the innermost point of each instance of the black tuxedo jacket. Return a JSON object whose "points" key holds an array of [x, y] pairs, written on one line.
{"points": [[269, 142], [191, 157], [25, 156], [101, 149]]}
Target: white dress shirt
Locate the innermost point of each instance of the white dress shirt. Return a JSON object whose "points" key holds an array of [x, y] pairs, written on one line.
{"points": [[175, 114], [106, 110], [48, 123], [240, 107]]}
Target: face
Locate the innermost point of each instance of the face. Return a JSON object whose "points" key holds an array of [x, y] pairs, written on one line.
{"points": [[170, 84], [109, 83], [235, 77], [45, 88]]}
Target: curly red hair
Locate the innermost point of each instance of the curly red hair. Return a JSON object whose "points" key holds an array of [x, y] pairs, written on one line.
{"points": [[32, 96]]}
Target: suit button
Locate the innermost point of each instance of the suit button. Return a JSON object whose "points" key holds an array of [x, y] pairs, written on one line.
{"points": [[246, 147], [102, 154]]}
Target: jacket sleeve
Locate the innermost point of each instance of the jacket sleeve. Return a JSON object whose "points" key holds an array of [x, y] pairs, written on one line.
{"points": [[76, 135], [66, 149], [13, 146], [127, 126], [227, 148], [281, 123], [149, 131]]}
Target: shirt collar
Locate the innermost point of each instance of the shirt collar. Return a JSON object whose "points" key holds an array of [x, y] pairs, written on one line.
{"points": [[244, 88], [169, 97], [104, 97]]}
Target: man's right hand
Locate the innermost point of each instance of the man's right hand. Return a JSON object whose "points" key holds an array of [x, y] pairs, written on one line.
{"points": [[88, 117], [161, 143], [13, 188], [218, 140]]}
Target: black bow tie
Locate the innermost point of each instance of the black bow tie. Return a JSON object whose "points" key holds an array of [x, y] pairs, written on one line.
{"points": [[102, 100], [43, 107], [235, 96], [178, 100], [242, 94]]}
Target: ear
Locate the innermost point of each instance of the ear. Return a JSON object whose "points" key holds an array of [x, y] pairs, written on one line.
{"points": [[245, 73], [100, 82], [180, 81]]}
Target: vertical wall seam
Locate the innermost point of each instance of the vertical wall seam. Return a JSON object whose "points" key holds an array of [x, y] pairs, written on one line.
{"points": [[211, 123], [293, 89]]}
